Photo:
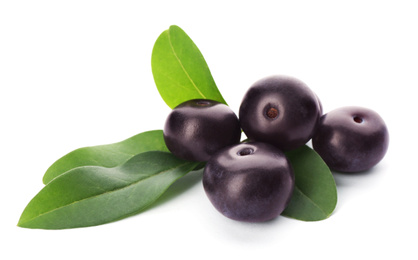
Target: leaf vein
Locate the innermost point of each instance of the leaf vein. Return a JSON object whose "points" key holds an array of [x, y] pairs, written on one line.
{"points": [[182, 67], [110, 191], [313, 202]]}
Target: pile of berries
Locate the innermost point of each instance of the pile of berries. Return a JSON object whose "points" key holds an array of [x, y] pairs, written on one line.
{"points": [[253, 180]]}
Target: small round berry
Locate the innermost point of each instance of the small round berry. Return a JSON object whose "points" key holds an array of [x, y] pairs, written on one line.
{"points": [[196, 129], [250, 182], [351, 139], [280, 110]]}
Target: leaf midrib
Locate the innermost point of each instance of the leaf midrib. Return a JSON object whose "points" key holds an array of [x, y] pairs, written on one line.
{"points": [[313, 202], [182, 67], [97, 163], [108, 148], [92, 197]]}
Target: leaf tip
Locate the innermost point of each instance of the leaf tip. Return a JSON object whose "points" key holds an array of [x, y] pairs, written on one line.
{"points": [[174, 27], [21, 223]]}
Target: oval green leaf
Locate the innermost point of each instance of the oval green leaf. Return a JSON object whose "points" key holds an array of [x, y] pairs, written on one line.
{"points": [[180, 71], [94, 195], [109, 155], [315, 194]]}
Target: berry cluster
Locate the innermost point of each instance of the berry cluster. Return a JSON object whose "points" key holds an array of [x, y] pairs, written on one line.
{"points": [[253, 180]]}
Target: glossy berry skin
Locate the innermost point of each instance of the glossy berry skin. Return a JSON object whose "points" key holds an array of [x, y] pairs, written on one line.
{"points": [[196, 129], [280, 110], [250, 182], [351, 139]]}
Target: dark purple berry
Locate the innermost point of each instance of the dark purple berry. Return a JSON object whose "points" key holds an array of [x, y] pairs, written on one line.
{"points": [[280, 110], [351, 139], [249, 182], [196, 129]]}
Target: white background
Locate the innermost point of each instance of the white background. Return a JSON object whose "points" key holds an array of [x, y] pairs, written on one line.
{"points": [[78, 73]]}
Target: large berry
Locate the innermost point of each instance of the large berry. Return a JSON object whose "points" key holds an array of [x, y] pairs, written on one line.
{"points": [[280, 110], [249, 182], [351, 139], [196, 129]]}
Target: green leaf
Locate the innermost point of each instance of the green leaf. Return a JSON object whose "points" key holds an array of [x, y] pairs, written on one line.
{"points": [[94, 195], [180, 71], [110, 155], [315, 194]]}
